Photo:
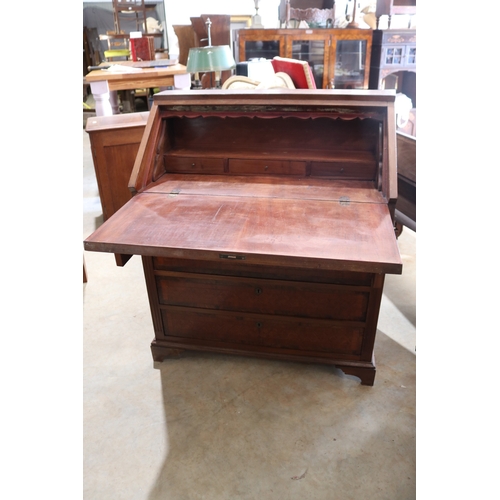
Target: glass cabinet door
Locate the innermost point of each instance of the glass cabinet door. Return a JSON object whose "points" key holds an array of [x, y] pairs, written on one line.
{"points": [[394, 55], [312, 51], [400, 55], [411, 55], [350, 64], [262, 48]]}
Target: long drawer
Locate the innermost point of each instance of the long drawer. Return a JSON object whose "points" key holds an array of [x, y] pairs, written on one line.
{"points": [[242, 269], [238, 330], [286, 298]]}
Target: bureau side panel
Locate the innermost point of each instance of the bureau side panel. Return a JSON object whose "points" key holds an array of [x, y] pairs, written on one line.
{"points": [[149, 275]]}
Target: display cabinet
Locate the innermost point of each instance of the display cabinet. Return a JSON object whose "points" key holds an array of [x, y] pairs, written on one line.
{"points": [[265, 221], [394, 66], [339, 58], [393, 51]]}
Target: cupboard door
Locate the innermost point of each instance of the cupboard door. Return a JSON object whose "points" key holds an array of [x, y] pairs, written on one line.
{"points": [[315, 50], [254, 44], [351, 56], [350, 64]]}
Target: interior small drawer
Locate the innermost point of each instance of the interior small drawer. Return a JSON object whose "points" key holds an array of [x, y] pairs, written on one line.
{"points": [[176, 164], [242, 331], [310, 300], [275, 167], [365, 171]]}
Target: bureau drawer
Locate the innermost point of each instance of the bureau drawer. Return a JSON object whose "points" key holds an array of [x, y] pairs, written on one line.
{"points": [[242, 331], [243, 269], [286, 298], [275, 167], [176, 164]]}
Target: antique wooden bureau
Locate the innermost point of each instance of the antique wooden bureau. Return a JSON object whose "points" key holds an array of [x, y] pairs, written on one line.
{"points": [[265, 222]]}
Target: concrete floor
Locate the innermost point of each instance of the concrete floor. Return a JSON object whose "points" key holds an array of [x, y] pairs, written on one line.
{"points": [[220, 427]]}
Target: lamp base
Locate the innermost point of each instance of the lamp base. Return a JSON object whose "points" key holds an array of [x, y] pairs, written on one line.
{"points": [[257, 21], [196, 85]]}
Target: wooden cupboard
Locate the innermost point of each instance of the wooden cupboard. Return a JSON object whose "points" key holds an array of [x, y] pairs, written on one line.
{"points": [[265, 221], [339, 58], [114, 142]]}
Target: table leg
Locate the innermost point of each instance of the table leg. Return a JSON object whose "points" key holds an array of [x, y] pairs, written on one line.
{"points": [[106, 101]]}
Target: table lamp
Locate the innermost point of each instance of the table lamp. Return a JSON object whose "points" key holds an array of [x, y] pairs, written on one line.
{"points": [[256, 19], [210, 58]]}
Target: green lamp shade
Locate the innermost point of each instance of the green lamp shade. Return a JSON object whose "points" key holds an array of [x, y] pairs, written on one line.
{"points": [[212, 58]]}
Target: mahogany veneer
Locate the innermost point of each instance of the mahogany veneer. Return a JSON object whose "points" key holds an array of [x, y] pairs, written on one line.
{"points": [[265, 223]]}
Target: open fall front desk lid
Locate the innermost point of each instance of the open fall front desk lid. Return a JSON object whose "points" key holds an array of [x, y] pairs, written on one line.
{"points": [[334, 225]]}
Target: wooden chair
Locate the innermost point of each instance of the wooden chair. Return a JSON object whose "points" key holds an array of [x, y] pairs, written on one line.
{"points": [[187, 39], [127, 9], [91, 55], [219, 29], [118, 47]]}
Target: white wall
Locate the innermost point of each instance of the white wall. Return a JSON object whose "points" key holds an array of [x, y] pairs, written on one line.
{"points": [[179, 13]]}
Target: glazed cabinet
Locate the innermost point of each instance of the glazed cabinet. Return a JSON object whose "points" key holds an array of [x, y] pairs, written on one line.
{"points": [[339, 58]]}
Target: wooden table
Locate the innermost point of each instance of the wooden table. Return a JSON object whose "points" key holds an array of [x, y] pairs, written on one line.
{"points": [[105, 84]]}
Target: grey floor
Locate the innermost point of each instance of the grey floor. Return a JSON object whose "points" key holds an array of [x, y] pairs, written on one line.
{"points": [[220, 427]]}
